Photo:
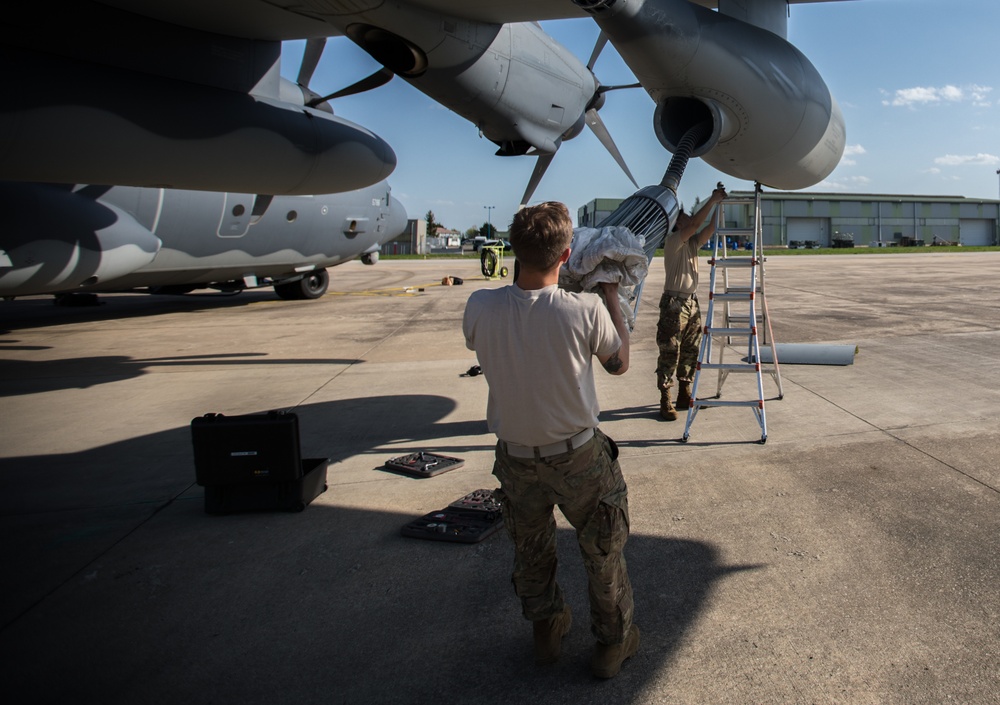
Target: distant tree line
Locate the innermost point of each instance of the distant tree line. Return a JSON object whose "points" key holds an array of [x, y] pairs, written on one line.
{"points": [[487, 230]]}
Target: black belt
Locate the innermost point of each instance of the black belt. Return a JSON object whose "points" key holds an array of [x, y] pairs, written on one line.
{"points": [[679, 295]]}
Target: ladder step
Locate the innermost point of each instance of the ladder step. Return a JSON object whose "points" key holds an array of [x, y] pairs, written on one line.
{"points": [[744, 318], [742, 289], [759, 403], [731, 366], [713, 330], [733, 262], [731, 296]]}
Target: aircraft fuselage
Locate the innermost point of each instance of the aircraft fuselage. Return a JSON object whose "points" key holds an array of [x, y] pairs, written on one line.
{"points": [[98, 238]]}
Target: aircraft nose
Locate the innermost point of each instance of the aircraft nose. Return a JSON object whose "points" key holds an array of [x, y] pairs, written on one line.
{"points": [[395, 221]]}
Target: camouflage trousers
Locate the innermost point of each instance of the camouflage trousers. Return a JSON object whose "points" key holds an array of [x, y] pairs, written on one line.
{"points": [[588, 487], [678, 337]]}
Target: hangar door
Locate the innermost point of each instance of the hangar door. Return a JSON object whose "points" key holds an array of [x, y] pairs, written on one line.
{"points": [[803, 229], [975, 232]]}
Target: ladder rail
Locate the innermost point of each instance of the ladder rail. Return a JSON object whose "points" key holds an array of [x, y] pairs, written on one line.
{"points": [[736, 324]]}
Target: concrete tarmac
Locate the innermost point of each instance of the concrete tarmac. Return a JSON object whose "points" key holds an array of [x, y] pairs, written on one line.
{"points": [[849, 559]]}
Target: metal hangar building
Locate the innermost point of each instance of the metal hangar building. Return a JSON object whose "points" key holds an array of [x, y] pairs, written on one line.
{"points": [[824, 219]]}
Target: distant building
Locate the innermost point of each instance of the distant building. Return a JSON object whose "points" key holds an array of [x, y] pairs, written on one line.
{"points": [[589, 215], [822, 218], [412, 241], [884, 220]]}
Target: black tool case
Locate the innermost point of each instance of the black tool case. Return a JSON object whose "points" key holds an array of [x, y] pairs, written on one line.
{"points": [[253, 463], [467, 520]]}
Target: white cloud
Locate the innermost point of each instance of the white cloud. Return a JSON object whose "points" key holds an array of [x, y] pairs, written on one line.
{"points": [[847, 183], [851, 150], [979, 95], [929, 95], [967, 160]]}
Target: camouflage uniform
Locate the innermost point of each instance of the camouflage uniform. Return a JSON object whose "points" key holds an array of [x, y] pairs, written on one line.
{"points": [[678, 337], [588, 486]]}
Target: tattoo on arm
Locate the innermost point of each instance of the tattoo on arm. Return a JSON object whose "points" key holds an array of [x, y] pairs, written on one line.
{"points": [[614, 363]]}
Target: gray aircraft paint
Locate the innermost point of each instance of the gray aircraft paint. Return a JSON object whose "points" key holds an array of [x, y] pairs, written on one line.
{"points": [[772, 117], [98, 238], [99, 95], [188, 95]]}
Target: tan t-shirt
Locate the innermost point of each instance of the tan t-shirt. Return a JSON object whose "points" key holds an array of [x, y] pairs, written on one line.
{"points": [[536, 349], [680, 264]]}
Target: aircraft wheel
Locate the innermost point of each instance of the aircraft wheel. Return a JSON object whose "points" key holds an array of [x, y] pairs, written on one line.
{"points": [[315, 284], [312, 286]]}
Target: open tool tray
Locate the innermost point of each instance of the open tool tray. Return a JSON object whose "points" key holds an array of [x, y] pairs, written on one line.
{"points": [[423, 464], [467, 520]]}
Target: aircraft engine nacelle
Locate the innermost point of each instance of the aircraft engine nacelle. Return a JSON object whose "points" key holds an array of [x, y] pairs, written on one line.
{"points": [[43, 255], [67, 121], [772, 118], [492, 75]]}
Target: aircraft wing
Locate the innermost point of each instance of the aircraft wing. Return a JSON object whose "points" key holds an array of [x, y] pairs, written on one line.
{"points": [[188, 94], [304, 19]]}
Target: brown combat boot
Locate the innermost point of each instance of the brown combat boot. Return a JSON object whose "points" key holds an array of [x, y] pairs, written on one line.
{"points": [[667, 411], [608, 658], [684, 395], [548, 636]]}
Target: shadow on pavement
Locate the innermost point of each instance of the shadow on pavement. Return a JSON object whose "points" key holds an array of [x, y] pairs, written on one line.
{"points": [[120, 589]]}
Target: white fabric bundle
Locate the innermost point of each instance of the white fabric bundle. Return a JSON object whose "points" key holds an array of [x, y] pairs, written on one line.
{"points": [[610, 254]]}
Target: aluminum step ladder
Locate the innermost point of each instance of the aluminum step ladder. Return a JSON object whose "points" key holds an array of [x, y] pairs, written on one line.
{"points": [[742, 317]]}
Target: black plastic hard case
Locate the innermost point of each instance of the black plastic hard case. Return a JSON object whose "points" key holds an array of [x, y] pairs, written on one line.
{"points": [[253, 463]]}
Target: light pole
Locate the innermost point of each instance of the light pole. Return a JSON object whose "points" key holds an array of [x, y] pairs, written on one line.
{"points": [[489, 226]]}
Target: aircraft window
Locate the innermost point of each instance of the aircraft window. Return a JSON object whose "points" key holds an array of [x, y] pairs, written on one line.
{"points": [[292, 215], [239, 210]]}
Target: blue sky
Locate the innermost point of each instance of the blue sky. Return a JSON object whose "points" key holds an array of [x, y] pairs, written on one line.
{"points": [[918, 82]]}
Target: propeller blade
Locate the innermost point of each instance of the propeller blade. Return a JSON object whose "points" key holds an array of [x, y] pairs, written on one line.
{"points": [[597, 125], [602, 39], [536, 176], [310, 60], [605, 89], [379, 78]]}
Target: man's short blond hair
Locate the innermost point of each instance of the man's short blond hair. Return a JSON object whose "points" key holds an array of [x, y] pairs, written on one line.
{"points": [[540, 234]]}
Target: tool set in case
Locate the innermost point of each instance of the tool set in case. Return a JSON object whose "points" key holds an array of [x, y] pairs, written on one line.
{"points": [[467, 520], [423, 464], [253, 462]]}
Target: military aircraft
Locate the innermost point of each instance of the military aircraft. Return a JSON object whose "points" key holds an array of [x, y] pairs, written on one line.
{"points": [[71, 239], [188, 93]]}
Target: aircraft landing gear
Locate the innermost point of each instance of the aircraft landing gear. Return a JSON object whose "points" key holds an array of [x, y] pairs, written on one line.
{"points": [[311, 286]]}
